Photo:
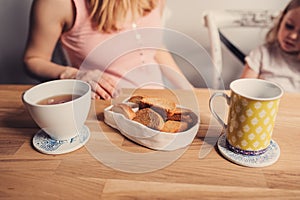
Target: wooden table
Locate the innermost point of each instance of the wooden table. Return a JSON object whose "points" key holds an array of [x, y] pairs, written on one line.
{"points": [[27, 174]]}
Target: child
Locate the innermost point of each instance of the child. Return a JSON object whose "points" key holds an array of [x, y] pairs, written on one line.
{"points": [[81, 25], [278, 59]]}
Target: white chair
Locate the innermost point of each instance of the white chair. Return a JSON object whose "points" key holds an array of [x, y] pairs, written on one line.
{"points": [[215, 21]]}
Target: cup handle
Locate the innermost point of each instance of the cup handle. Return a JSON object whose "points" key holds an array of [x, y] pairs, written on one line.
{"points": [[218, 94]]}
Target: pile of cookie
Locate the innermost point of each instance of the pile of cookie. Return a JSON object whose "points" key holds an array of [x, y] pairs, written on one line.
{"points": [[157, 113]]}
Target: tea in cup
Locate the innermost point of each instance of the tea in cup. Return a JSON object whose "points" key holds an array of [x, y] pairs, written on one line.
{"points": [[60, 108], [253, 106]]}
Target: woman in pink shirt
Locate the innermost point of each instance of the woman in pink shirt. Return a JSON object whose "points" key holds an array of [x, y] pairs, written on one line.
{"points": [[103, 41]]}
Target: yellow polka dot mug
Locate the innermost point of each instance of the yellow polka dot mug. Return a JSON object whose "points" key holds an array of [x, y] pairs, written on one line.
{"points": [[253, 106]]}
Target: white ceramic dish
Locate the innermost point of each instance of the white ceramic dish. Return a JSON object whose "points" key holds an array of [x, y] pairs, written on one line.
{"points": [[148, 137]]}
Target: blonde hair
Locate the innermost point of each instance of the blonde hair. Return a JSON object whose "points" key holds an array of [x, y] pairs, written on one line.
{"points": [[272, 34], [110, 15]]}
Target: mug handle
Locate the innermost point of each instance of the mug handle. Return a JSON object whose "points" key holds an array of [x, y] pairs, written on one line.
{"points": [[218, 94]]}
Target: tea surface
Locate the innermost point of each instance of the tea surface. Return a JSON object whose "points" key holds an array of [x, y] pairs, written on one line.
{"points": [[58, 99]]}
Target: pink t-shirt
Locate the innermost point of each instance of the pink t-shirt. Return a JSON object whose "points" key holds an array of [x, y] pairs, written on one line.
{"points": [[127, 56]]}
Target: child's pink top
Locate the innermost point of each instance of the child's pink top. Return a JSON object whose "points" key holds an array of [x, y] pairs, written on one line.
{"points": [[120, 54]]}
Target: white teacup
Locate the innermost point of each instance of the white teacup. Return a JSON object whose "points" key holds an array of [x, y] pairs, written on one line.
{"points": [[61, 121]]}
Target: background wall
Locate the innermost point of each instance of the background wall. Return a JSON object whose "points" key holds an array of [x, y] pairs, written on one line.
{"points": [[14, 15], [184, 17]]}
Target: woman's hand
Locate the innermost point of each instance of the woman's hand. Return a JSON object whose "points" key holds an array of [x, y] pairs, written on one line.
{"points": [[69, 73], [102, 85]]}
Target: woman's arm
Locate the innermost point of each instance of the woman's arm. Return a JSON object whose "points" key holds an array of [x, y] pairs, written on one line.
{"points": [[168, 67], [168, 64], [248, 72], [49, 18]]}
